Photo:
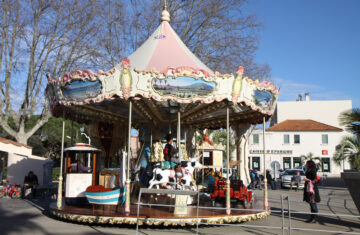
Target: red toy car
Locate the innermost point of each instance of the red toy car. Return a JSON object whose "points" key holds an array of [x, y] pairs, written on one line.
{"points": [[238, 192]]}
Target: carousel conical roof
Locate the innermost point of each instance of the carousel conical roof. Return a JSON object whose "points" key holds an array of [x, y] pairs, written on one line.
{"points": [[161, 78], [164, 49]]}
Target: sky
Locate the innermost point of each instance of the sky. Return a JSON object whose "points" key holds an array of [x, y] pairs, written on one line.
{"points": [[311, 46]]}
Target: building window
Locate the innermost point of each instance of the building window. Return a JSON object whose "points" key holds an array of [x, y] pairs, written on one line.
{"points": [[286, 139], [324, 139], [287, 163], [297, 162], [296, 139], [256, 163], [325, 164], [256, 138]]}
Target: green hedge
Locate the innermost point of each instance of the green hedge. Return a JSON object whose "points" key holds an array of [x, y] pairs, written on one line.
{"points": [[55, 174]]}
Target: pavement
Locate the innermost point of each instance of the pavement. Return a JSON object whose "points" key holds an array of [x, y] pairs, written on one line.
{"points": [[32, 217]]}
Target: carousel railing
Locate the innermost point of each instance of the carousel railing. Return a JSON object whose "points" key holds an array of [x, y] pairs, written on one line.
{"points": [[165, 192]]}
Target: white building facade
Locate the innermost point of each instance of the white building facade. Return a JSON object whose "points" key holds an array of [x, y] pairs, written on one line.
{"points": [[299, 128]]}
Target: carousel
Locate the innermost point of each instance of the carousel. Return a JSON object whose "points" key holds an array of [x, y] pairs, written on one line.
{"points": [[161, 88]]}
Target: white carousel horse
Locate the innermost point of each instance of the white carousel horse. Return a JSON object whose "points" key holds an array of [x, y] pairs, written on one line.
{"points": [[164, 177]]}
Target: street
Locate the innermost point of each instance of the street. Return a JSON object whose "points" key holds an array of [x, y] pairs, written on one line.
{"points": [[31, 217]]}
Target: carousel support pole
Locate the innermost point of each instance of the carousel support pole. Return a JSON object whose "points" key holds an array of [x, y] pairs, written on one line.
{"points": [[151, 139], [178, 136], [228, 210], [266, 203], [72, 130], [59, 197], [185, 139], [127, 200]]}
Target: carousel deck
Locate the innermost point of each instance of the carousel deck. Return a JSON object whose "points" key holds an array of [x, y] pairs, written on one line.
{"points": [[156, 215]]}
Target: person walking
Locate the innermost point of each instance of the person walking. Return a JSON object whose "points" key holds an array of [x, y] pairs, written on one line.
{"points": [[311, 191]]}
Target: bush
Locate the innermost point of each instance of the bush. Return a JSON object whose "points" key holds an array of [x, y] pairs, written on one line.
{"points": [[55, 174]]}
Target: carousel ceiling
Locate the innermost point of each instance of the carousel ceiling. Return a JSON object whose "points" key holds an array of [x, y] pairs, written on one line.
{"points": [[162, 78]]}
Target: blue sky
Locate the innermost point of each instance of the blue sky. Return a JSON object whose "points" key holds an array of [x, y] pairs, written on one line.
{"points": [[312, 46]]}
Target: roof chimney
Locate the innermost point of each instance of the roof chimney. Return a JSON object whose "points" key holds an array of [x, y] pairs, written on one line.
{"points": [[307, 96], [299, 97]]}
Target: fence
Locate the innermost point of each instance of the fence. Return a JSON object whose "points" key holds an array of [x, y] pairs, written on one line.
{"points": [[285, 212]]}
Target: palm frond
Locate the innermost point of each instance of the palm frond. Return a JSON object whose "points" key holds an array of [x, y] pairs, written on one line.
{"points": [[351, 120], [349, 150], [311, 156]]}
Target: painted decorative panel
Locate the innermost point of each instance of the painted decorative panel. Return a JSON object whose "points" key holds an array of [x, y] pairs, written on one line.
{"points": [[111, 84], [264, 99], [80, 90], [183, 87]]}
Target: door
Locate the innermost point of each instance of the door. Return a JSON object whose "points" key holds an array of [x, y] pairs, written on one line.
{"points": [[256, 163]]}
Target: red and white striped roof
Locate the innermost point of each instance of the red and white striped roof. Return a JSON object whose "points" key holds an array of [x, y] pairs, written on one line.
{"points": [[164, 49]]}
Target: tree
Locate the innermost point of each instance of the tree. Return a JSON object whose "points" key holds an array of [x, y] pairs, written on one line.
{"points": [[351, 120], [39, 37], [349, 149], [54, 37], [219, 32], [311, 156], [219, 136]]}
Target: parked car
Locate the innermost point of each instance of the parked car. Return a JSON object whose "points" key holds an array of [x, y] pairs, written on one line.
{"points": [[288, 174]]}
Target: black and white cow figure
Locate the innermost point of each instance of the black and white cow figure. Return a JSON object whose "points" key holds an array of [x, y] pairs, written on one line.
{"points": [[167, 178]]}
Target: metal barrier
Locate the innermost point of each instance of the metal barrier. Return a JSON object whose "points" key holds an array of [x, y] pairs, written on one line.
{"points": [[290, 228], [283, 213], [167, 192]]}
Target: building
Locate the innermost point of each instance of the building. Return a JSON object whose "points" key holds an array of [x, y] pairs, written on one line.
{"points": [[299, 128], [18, 161]]}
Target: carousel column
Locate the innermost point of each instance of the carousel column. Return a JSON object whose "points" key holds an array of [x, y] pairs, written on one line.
{"points": [[127, 200], [59, 197], [71, 133], [178, 136], [190, 147], [266, 203], [241, 152], [228, 210], [151, 138], [245, 154]]}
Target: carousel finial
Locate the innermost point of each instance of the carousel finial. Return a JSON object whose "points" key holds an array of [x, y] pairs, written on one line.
{"points": [[165, 15]]}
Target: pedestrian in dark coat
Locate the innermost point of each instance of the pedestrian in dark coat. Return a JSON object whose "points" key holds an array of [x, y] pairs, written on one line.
{"points": [[311, 197], [270, 180]]}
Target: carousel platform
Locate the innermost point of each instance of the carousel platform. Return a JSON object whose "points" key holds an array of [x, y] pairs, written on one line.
{"points": [[156, 215]]}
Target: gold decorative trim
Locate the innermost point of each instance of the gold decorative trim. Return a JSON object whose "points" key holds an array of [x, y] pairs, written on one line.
{"points": [[157, 221]]}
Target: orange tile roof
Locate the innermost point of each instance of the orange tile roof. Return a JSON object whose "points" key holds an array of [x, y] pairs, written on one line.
{"points": [[7, 141], [302, 125]]}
